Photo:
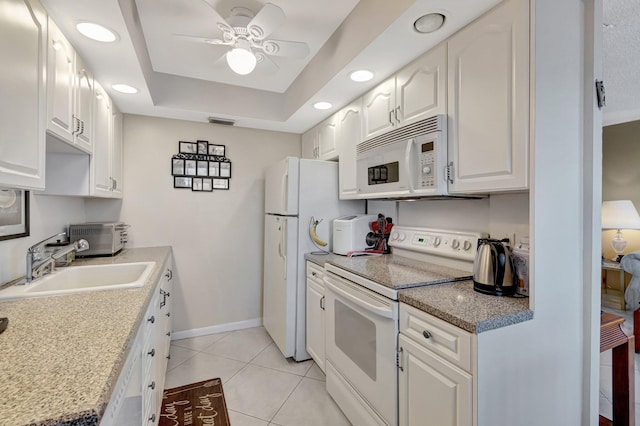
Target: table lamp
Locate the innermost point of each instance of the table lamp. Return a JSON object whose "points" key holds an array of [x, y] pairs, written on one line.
{"points": [[619, 214]]}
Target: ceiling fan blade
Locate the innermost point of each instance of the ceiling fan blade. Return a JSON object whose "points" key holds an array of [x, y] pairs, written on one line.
{"points": [[288, 49], [197, 39], [266, 21], [265, 64]]}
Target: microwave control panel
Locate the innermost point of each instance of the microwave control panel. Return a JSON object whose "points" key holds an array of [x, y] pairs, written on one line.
{"points": [[427, 164]]}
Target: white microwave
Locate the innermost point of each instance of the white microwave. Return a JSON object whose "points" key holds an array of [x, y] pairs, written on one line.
{"points": [[407, 162]]}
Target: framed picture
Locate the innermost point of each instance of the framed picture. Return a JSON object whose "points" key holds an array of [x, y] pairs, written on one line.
{"points": [[202, 147], [14, 214], [197, 184], [225, 170], [217, 150], [203, 168], [207, 184], [177, 166], [188, 148], [220, 183], [190, 167], [181, 182], [214, 168]]}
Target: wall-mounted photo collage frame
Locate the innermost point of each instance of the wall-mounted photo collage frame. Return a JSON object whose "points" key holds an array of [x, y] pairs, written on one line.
{"points": [[201, 166]]}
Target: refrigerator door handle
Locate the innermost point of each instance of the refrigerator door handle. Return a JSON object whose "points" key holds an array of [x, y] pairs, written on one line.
{"points": [[283, 193], [283, 245]]}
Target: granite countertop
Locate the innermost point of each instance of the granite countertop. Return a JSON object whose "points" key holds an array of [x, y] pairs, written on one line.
{"points": [[455, 302], [61, 356]]}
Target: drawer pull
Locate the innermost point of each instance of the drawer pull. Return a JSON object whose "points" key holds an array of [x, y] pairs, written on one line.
{"points": [[168, 314], [169, 334], [152, 352], [152, 385], [169, 274], [152, 319], [313, 274], [152, 419], [427, 334]]}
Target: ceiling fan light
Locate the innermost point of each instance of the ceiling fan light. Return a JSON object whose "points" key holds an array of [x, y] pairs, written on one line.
{"points": [[241, 61]]}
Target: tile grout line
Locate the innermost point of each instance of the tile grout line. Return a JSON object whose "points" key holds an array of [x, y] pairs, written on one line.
{"points": [[286, 399]]}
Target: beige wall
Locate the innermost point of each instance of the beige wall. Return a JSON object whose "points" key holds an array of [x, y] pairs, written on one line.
{"points": [[217, 237], [621, 176]]}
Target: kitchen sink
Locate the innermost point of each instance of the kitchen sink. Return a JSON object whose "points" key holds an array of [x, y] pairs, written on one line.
{"points": [[78, 279]]}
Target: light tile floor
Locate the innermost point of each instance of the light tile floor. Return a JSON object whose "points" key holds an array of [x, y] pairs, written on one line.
{"points": [[606, 409], [261, 387]]}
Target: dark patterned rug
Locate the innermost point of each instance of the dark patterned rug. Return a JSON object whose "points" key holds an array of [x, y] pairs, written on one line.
{"points": [[196, 404]]}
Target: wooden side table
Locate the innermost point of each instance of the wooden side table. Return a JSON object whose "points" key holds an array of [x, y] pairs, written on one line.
{"points": [[622, 346], [613, 296]]}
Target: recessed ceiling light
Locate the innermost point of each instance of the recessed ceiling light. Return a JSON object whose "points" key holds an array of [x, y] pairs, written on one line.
{"points": [[429, 23], [124, 88], [322, 105], [361, 75], [96, 32]]}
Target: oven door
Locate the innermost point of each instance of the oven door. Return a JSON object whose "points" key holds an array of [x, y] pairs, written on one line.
{"points": [[361, 341]]}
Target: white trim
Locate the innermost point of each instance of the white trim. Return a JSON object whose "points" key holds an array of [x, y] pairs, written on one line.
{"points": [[230, 326]]}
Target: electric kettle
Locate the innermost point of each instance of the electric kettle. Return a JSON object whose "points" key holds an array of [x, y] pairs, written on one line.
{"points": [[493, 271]]}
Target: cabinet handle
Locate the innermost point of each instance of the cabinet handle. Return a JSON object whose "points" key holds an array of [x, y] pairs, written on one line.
{"points": [[152, 319], [169, 274], [81, 127], [168, 314], [322, 304], [399, 358], [313, 274], [152, 352], [168, 356], [396, 114], [152, 419], [169, 334], [391, 117], [152, 385], [427, 334]]}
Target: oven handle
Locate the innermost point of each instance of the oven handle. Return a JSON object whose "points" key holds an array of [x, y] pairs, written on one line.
{"points": [[382, 311]]}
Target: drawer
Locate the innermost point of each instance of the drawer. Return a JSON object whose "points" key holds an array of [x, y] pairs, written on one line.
{"points": [[315, 272], [446, 340]]}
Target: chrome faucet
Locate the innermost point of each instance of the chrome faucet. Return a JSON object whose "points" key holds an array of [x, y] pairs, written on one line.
{"points": [[37, 266]]}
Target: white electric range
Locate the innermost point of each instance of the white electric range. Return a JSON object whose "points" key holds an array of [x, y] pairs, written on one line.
{"points": [[362, 315]]}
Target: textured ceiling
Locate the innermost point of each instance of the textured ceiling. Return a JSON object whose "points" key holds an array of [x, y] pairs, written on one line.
{"points": [[621, 60]]}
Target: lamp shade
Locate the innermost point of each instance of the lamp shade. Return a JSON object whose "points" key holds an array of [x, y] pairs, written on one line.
{"points": [[619, 214]]}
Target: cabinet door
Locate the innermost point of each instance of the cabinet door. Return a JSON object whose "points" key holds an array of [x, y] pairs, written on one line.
{"points": [[309, 146], [23, 47], [327, 139], [117, 154], [421, 87], [84, 106], [349, 131], [60, 86], [102, 183], [432, 391], [488, 81], [378, 110], [315, 322]]}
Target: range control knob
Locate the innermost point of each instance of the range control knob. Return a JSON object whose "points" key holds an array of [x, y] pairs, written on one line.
{"points": [[455, 244], [467, 245], [394, 235], [426, 170], [402, 237], [436, 241]]}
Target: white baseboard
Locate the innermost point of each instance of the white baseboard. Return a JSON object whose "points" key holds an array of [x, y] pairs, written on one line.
{"points": [[230, 326]]}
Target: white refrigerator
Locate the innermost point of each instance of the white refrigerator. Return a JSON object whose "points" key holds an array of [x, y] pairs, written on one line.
{"points": [[295, 190]]}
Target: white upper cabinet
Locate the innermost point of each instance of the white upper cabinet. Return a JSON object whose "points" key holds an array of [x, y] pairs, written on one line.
{"points": [[416, 92], [23, 45], [349, 133], [488, 91], [320, 142], [117, 152], [102, 179], [69, 93]]}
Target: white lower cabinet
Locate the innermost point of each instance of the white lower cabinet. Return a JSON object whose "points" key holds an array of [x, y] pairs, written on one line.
{"points": [[315, 313], [435, 378], [137, 396]]}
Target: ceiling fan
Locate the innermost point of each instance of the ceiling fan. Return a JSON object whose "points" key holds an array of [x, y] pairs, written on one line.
{"points": [[245, 33]]}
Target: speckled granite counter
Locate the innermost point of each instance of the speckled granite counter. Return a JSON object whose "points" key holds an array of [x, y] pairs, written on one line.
{"points": [[454, 302], [61, 355], [459, 304]]}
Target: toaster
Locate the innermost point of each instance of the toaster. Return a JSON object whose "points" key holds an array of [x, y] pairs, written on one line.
{"points": [[350, 233], [104, 238]]}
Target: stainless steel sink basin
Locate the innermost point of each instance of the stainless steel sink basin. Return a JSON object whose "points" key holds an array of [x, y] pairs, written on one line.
{"points": [[77, 279]]}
